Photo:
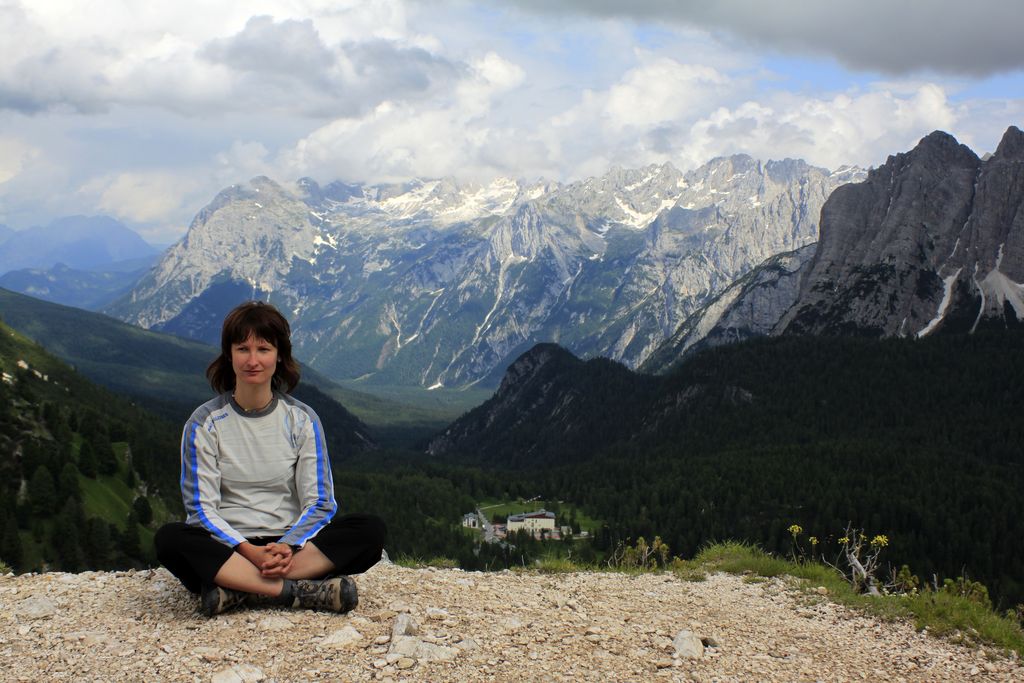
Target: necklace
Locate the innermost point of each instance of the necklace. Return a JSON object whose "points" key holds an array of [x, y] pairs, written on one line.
{"points": [[252, 410]]}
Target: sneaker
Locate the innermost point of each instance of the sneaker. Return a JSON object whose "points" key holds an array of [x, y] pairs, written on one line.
{"points": [[335, 594], [216, 600]]}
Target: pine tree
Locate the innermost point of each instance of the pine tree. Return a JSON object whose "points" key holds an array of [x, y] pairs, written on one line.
{"points": [[87, 460], [128, 541], [67, 528], [42, 492], [143, 510], [98, 544], [68, 487], [32, 456], [12, 550], [50, 412], [106, 461]]}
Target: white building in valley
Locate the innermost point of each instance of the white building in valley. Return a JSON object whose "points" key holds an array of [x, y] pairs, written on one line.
{"points": [[534, 522]]}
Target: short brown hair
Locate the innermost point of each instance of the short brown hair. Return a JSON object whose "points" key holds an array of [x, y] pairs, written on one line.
{"points": [[259, 319]]}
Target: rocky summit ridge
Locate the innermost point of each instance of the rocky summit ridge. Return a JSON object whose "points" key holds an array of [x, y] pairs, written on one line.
{"points": [[933, 238], [450, 625], [440, 283]]}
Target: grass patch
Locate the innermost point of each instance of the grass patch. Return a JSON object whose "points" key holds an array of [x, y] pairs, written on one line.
{"points": [[162, 512], [414, 562], [734, 557], [553, 564], [384, 406], [945, 614], [110, 498], [107, 497], [942, 613]]}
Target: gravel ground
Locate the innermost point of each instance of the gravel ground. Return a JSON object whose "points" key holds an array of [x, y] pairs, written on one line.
{"points": [[449, 625]]}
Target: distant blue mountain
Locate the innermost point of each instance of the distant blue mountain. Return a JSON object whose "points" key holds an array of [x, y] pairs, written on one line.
{"points": [[79, 242], [88, 289]]}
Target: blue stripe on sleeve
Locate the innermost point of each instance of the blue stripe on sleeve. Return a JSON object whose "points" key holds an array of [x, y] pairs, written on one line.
{"points": [[324, 504], [194, 470], [184, 464]]}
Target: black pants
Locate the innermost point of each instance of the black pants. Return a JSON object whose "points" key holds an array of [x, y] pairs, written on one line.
{"points": [[353, 543]]}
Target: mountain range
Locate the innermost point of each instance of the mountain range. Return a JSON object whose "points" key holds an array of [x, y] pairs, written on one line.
{"points": [[437, 283], [918, 439]]}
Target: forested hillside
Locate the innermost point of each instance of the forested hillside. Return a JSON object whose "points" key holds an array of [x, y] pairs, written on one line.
{"points": [[84, 475], [919, 440]]}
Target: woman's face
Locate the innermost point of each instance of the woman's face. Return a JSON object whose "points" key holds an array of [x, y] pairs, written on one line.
{"points": [[254, 361]]}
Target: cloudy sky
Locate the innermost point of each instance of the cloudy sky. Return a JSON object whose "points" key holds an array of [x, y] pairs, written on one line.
{"points": [[143, 111]]}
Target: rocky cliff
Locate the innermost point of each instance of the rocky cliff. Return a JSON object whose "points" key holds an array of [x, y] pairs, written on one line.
{"points": [[448, 625], [932, 240], [749, 307]]}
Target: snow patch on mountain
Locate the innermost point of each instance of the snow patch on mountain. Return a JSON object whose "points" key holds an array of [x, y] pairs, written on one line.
{"points": [[947, 292]]}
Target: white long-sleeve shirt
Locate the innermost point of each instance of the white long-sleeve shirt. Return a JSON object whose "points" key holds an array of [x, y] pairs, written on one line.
{"points": [[263, 473]]}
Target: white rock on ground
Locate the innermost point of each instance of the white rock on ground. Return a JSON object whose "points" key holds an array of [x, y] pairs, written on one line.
{"points": [[504, 626], [36, 607], [688, 645], [275, 622], [344, 637]]}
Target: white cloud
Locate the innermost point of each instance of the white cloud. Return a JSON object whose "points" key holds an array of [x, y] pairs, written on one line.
{"points": [[661, 110], [347, 59], [15, 154], [845, 129], [662, 91], [154, 198], [266, 46], [854, 127], [141, 196], [241, 161], [637, 119], [400, 140], [640, 119]]}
